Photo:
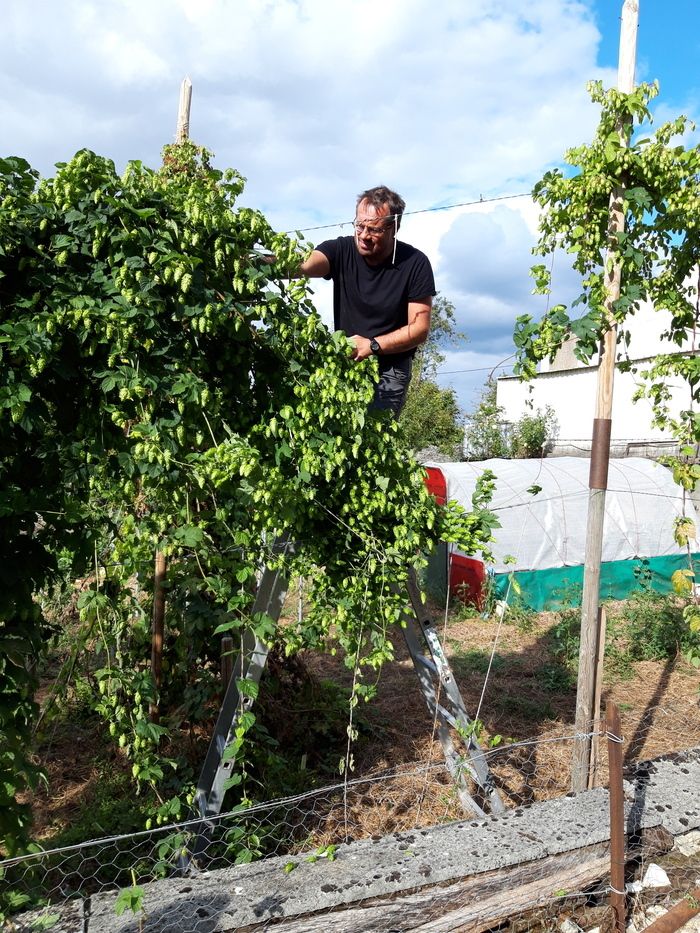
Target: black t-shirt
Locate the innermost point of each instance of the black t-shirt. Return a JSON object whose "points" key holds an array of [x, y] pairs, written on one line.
{"points": [[373, 300]]}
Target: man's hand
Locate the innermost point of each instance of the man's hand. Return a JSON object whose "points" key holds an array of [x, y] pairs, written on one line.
{"points": [[362, 348]]}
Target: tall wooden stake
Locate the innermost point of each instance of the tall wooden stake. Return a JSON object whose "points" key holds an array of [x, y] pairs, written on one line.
{"points": [[161, 564], [598, 694], [600, 447], [158, 627], [183, 113]]}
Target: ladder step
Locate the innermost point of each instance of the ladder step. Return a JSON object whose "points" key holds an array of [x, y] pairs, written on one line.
{"points": [[426, 662]]}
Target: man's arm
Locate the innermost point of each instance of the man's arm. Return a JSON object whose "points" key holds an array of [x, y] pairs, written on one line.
{"points": [[316, 266], [404, 338]]}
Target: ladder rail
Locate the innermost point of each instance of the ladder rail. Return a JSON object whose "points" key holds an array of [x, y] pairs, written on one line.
{"points": [[435, 676], [249, 666]]}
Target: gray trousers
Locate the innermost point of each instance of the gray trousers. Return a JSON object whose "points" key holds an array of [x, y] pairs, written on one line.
{"points": [[390, 392]]}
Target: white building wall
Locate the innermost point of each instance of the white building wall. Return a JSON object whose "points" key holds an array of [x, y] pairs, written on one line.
{"points": [[569, 388], [571, 394]]}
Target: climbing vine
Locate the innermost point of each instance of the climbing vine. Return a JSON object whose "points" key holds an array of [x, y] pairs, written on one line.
{"points": [[163, 387]]}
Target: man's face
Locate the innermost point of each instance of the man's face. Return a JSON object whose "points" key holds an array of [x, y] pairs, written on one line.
{"points": [[374, 232]]}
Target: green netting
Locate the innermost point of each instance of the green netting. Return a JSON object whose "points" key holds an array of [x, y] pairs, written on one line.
{"points": [[559, 587]]}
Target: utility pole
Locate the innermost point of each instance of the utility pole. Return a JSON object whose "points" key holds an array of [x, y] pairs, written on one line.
{"points": [[600, 447]]}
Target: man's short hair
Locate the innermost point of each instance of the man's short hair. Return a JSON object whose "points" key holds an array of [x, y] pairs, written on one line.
{"points": [[382, 196]]}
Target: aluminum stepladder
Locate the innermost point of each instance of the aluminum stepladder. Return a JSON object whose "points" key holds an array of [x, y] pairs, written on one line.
{"points": [[468, 767]]}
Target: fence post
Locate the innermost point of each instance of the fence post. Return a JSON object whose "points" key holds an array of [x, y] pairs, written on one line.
{"points": [[617, 817]]}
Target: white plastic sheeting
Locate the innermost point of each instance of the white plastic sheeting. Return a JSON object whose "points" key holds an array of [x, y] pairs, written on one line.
{"points": [[548, 528]]}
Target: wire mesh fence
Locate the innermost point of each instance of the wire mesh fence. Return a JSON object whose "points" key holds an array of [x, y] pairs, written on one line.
{"points": [[395, 850]]}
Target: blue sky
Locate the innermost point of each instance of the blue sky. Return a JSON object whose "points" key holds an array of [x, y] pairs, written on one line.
{"points": [[314, 101]]}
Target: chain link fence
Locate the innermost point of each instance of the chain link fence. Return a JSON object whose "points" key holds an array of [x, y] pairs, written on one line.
{"points": [[395, 851]]}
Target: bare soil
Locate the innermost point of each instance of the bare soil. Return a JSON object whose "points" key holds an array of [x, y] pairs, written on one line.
{"points": [[523, 699]]}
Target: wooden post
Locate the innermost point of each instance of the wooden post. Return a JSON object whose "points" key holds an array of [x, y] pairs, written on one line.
{"points": [[158, 627], [598, 694], [183, 129], [183, 113], [617, 817], [600, 447]]}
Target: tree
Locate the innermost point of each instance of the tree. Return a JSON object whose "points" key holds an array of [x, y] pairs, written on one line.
{"points": [[488, 435], [443, 332], [531, 435], [431, 416], [485, 435]]}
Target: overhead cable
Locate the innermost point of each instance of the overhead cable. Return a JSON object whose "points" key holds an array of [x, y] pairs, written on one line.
{"points": [[423, 210]]}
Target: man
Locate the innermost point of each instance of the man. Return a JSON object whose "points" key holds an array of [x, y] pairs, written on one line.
{"points": [[382, 291]]}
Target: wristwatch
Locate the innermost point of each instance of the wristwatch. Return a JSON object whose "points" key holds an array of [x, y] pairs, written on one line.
{"points": [[374, 347]]}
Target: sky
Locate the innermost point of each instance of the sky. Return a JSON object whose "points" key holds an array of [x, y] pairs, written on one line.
{"points": [[459, 105]]}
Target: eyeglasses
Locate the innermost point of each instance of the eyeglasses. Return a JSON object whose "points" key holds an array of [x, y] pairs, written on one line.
{"points": [[368, 230]]}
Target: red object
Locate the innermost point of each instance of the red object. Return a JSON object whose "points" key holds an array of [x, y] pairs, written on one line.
{"points": [[437, 484], [467, 574]]}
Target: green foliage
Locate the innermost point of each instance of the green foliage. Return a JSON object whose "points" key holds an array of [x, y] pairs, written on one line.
{"points": [[485, 436], [130, 899], [163, 387], [651, 627], [431, 418], [555, 678], [565, 637], [488, 435], [443, 333], [652, 181], [655, 183], [533, 433]]}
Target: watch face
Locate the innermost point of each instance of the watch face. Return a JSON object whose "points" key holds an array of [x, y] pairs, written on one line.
{"points": [[374, 346]]}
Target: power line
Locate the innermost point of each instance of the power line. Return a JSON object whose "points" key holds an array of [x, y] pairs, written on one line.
{"points": [[423, 210], [478, 369]]}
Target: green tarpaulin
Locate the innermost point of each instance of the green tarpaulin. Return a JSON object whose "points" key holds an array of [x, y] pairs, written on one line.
{"points": [[559, 587]]}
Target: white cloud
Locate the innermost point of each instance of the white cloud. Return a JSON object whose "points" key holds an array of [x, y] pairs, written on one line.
{"points": [[484, 260], [315, 101]]}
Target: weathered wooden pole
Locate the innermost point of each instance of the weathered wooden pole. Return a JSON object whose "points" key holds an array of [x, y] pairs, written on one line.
{"points": [[600, 447], [597, 694], [161, 565], [617, 817], [183, 113], [158, 628]]}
